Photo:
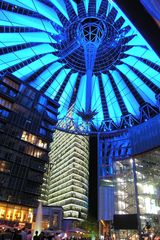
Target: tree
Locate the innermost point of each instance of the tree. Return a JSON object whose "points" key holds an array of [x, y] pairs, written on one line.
{"points": [[90, 225]]}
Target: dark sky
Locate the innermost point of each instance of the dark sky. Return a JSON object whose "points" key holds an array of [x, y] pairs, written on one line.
{"points": [[141, 19], [93, 177]]}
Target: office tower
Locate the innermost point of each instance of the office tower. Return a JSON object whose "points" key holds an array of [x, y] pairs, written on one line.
{"points": [[27, 120], [68, 187]]}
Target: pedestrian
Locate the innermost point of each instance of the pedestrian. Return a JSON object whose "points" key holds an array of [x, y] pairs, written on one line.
{"points": [[23, 234], [36, 237], [29, 235]]}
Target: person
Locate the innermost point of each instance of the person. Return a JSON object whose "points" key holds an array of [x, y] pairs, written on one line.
{"points": [[23, 234], [29, 235], [36, 237], [17, 235], [42, 236], [50, 237], [57, 237]]}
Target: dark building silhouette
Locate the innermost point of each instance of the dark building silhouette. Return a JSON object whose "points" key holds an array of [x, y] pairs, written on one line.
{"points": [[27, 120]]}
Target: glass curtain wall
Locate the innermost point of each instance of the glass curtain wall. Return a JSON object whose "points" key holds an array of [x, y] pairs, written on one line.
{"points": [[137, 190]]}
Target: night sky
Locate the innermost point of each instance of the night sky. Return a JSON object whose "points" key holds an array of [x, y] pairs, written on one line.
{"points": [[93, 177], [141, 19]]}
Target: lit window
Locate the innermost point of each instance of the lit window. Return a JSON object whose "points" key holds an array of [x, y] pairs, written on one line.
{"points": [[5, 103], [28, 137]]}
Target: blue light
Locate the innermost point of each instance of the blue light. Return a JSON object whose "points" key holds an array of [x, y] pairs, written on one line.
{"points": [[141, 40], [98, 4], [9, 64], [61, 6], [19, 3], [129, 100], [96, 103], [28, 70], [9, 59], [65, 98], [5, 23], [8, 39], [136, 41], [39, 7], [16, 20], [118, 15], [143, 53], [146, 70], [44, 37], [130, 60], [54, 87], [113, 106], [46, 75], [74, 5], [147, 94], [81, 96]]}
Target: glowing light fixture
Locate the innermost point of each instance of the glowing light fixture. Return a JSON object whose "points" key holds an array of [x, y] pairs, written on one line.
{"points": [[87, 56]]}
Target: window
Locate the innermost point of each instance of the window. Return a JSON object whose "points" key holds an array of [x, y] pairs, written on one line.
{"points": [[39, 108], [2, 125], [8, 156], [28, 137], [21, 148], [35, 176], [27, 102], [55, 220], [42, 100], [48, 125], [11, 83], [37, 165], [4, 166], [12, 93], [51, 115], [51, 106], [30, 94], [19, 108], [3, 88], [35, 152], [18, 159], [4, 113], [5, 103], [10, 144], [42, 131]]}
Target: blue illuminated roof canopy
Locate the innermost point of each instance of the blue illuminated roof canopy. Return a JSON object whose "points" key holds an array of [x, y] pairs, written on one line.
{"points": [[88, 57]]}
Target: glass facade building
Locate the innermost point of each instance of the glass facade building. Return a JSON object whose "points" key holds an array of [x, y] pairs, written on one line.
{"points": [[148, 186], [128, 180], [69, 174], [27, 120], [137, 189]]}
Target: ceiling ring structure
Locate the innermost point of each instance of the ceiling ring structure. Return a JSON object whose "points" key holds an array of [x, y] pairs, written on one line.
{"points": [[88, 57]]}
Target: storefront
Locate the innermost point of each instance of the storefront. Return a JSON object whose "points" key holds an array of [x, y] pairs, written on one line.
{"points": [[14, 215]]}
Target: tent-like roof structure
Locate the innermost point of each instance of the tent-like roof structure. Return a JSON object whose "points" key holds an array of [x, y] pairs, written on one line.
{"points": [[87, 56]]}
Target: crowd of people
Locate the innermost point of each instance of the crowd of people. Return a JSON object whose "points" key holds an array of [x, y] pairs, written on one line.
{"points": [[15, 234], [27, 234]]}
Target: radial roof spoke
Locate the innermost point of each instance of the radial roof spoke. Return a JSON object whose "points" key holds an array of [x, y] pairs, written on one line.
{"points": [[71, 50]]}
